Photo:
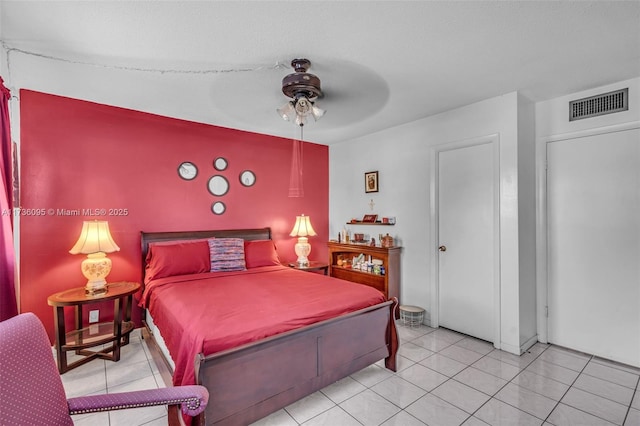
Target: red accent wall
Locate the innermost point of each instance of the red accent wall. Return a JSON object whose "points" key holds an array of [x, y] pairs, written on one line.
{"points": [[78, 155]]}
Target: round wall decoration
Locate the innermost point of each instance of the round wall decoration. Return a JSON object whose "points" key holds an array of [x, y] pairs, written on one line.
{"points": [[247, 178], [220, 163], [218, 207], [218, 185], [187, 170]]}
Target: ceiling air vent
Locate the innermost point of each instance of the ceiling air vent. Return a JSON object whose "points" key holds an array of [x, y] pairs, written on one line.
{"points": [[606, 103]]}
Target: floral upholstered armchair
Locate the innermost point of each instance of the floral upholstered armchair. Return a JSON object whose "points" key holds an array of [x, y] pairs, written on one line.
{"points": [[31, 391]]}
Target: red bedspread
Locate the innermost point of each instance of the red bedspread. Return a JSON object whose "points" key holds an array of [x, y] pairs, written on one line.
{"points": [[212, 312]]}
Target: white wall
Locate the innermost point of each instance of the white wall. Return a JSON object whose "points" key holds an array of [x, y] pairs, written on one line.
{"points": [[552, 115], [552, 123], [527, 221], [3, 53], [402, 156], [3, 66]]}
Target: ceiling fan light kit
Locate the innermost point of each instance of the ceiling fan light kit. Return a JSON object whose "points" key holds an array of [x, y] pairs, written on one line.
{"points": [[304, 88]]}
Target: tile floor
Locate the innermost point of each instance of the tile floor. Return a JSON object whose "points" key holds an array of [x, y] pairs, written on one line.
{"points": [[444, 378]]}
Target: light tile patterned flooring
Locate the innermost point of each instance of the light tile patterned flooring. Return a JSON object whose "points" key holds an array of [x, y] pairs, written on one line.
{"points": [[444, 378]]}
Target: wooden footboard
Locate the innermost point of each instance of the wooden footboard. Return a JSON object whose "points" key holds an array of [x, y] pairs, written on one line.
{"points": [[252, 381]]}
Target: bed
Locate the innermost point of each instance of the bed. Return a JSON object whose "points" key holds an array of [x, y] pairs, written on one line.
{"points": [[291, 350]]}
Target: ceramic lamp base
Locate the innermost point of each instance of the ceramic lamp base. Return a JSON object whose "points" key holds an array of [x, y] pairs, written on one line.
{"points": [[94, 291], [303, 249], [95, 268]]}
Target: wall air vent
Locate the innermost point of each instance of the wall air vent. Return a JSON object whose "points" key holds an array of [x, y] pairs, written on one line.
{"points": [[606, 103]]}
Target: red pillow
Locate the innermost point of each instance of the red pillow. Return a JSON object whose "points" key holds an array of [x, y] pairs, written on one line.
{"points": [[165, 260], [260, 253]]}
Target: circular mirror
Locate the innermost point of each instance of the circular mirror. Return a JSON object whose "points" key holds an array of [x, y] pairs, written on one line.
{"points": [[218, 185], [218, 207], [247, 178], [220, 163], [187, 170]]}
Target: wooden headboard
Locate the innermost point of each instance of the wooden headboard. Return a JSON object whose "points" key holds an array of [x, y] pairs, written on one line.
{"points": [[155, 237]]}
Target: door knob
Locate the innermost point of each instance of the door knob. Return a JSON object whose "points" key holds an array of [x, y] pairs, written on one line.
{"points": [[442, 248]]}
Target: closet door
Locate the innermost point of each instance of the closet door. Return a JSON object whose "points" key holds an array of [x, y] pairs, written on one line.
{"points": [[593, 202]]}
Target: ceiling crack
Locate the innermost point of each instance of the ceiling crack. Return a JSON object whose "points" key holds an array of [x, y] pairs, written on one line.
{"points": [[9, 50]]}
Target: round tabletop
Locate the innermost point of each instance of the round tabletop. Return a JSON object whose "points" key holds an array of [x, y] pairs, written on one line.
{"points": [[312, 265], [77, 296]]}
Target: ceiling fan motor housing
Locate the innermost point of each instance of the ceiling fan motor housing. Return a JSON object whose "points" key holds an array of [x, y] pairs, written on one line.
{"points": [[301, 83]]}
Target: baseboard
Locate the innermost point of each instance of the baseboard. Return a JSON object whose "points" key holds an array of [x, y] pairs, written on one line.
{"points": [[515, 350], [519, 350], [526, 345]]}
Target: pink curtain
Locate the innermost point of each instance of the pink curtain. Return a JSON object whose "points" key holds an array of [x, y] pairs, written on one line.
{"points": [[8, 305]]}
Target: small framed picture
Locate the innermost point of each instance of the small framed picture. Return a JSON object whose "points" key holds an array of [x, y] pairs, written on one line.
{"points": [[371, 182], [369, 218]]}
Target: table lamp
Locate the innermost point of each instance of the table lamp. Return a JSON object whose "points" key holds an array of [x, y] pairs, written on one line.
{"points": [[302, 229], [95, 241]]}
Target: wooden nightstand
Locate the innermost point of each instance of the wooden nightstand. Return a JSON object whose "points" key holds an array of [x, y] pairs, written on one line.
{"points": [[313, 266], [115, 332]]}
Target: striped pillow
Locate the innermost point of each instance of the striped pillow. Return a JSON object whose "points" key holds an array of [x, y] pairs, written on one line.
{"points": [[227, 254]]}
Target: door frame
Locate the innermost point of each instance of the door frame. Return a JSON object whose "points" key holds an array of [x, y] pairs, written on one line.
{"points": [[542, 230], [434, 208]]}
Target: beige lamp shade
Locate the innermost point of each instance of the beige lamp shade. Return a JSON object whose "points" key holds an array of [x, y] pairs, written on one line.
{"points": [[95, 240], [303, 229]]}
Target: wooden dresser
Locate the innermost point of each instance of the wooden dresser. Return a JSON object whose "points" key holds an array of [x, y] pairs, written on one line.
{"points": [[389, 283]]}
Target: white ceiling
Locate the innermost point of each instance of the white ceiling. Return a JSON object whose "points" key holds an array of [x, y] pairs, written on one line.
{"points": [[381, 63]]}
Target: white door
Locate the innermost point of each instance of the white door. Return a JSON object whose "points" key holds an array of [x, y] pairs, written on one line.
{"points": [[593, 216], [466, 209]]}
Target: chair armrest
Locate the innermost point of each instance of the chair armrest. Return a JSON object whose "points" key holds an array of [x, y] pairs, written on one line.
{"points": [[193, 400]]}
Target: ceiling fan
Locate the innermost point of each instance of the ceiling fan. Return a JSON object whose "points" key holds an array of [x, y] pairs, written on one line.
{"points": [[304, 89]]}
